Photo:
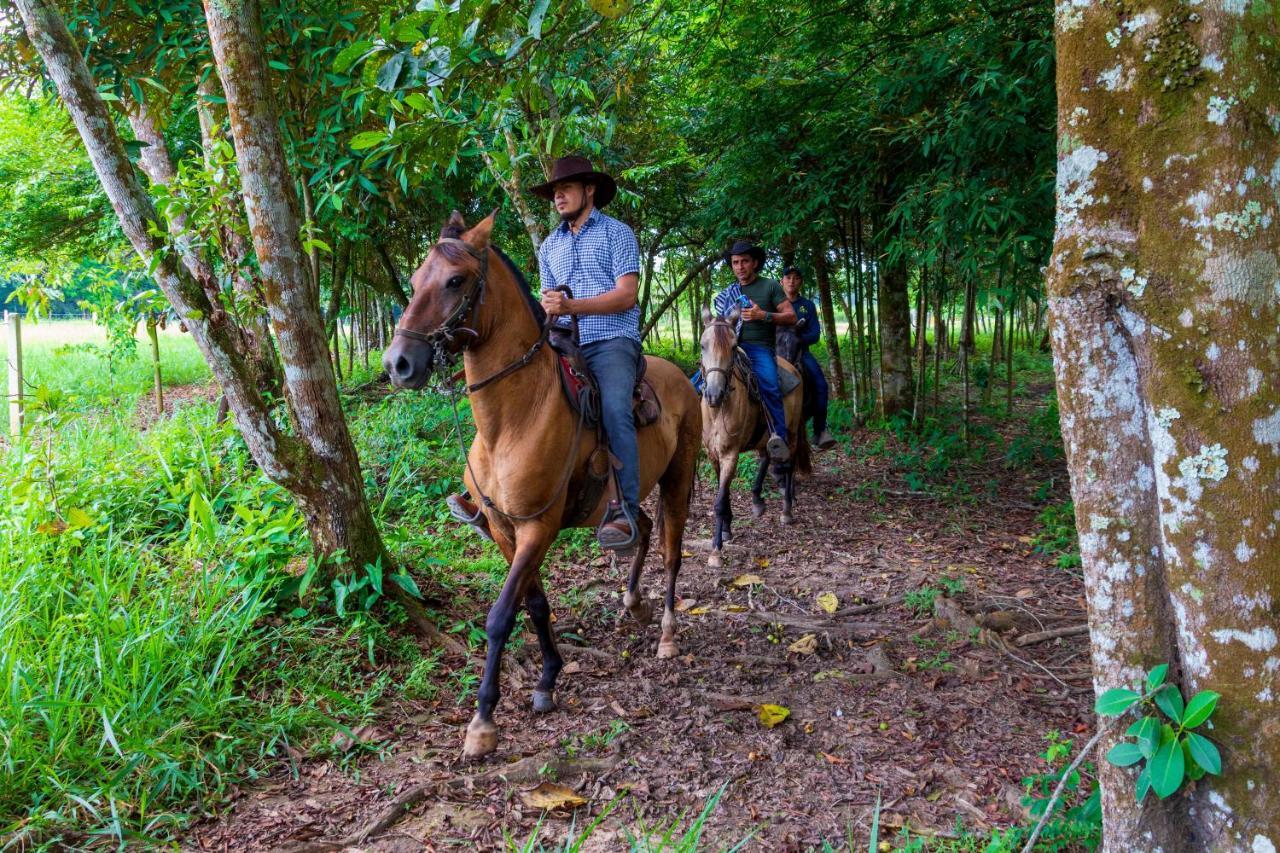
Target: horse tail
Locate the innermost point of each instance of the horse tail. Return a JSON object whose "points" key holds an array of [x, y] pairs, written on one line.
{"points": [[804, 453]]}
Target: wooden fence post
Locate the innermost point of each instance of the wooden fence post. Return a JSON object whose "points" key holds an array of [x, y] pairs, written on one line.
{"points": [[13, 328]]}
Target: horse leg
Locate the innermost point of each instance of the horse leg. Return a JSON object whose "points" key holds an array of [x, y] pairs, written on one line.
{"points": [[724, 511], [757, 488], [675, 513], [531, 547], [637, 605], [787, 482], [539, 609]]}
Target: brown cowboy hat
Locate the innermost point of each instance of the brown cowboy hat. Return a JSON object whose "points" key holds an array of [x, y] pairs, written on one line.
{"points": [[745, 247], [574, 168]]}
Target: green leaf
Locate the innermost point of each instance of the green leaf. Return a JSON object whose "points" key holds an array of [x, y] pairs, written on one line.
{"points": [[1148, 735], [1143, 784], [1124, 754], [1200, 708], [408, 33], [408, 584], [1168, 768], [1204, 753], [388, 79], [77, 517], [1115, 702], [367, 139], [1169, 700], [469, 37], [1156, 677], [418, 101], [350, 55], [278, 65]]}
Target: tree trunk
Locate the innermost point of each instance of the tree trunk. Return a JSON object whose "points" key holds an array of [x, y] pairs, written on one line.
{"points": [[895, 339], [1164, 316], [823, 274]]}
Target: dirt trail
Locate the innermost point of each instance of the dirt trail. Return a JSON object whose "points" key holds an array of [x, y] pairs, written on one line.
{"points": [[944, 726]]}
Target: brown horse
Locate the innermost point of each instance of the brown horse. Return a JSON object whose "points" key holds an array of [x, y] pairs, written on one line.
{"points": [[732, 423], [530, 457]]}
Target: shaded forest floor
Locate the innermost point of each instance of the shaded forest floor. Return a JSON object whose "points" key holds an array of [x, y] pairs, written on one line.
{"points": [[916, 689]]}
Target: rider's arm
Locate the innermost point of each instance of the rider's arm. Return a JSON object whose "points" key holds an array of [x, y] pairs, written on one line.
{"points": [[621, 298], [811, 330], [785, 315], [546, 277]]}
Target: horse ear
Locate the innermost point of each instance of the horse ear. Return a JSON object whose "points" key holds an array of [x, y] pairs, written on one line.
{"points": [[454, 226], [478, 236], [707, 316], [733, 317]]}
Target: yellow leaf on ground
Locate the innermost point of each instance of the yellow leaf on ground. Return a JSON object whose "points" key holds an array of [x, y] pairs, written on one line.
{"points": [[1027, 540], [771, 715], [762, 562], [828, 602], [734, 608], [549, 795], [806, 645], [700, 610], [747, 580], [686, 554]]}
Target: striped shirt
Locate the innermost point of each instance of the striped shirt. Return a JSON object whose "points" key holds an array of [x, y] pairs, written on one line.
{"points": [[590, 263]]}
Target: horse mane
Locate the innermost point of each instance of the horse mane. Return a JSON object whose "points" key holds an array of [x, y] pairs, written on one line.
{"points": [[457, 254]]}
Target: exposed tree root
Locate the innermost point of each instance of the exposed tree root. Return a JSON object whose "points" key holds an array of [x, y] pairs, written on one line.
{"points": [[1042, 636]]}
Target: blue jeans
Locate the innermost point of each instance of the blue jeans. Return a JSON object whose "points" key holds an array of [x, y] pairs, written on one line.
{"points": [[765, 366], [613, 362], [821, 393]]}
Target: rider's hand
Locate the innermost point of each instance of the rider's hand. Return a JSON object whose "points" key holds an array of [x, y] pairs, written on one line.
{"points": [[755, 312], [556, 303]]}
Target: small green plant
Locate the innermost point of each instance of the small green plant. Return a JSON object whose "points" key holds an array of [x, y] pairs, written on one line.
{"points": [[920, 601], [595, 741], [1058, 536], [423, 679], [951, 586], [1163, 740]]}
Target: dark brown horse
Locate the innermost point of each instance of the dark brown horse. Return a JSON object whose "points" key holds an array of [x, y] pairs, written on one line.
{"points": [[530, 459], [732, 423]]}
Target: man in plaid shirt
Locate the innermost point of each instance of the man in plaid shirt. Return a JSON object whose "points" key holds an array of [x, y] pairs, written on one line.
{"points": [[599, 259]]}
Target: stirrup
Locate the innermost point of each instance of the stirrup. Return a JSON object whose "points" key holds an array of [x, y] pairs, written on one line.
{"points": [[468, 513], [777, 449], [615, 511]]}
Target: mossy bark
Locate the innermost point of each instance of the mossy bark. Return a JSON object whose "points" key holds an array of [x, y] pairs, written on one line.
{"points": [[1165, 304]]}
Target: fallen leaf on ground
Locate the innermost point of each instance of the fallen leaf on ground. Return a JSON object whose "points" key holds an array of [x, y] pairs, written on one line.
{"points": [[833, 759], [1024, 593], [771, 715], [700, 610], [747, 580], [549, 795], [686, 554], [762, 562], [828, 602], [685, 603], [806, 645], [344, 741], [734, 608]]}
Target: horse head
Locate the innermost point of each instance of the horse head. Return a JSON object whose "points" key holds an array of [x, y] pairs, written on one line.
{"points": [[719, 341], [446, 289]]}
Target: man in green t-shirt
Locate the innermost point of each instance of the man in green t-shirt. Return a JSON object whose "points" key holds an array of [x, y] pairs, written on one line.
{"points": [[764, 306]]}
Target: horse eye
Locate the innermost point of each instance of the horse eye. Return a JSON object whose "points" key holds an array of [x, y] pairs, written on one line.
{"points": [[454, 282]]}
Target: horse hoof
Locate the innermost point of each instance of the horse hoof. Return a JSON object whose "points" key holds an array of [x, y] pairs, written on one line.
{"points": [[642, 612], [667, 649], [787, 518], [482, 739], [714, 560], [757, 509], [543, 702]]}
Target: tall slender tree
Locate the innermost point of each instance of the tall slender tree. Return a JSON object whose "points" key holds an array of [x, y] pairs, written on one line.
{"points": [[1166, 337]]}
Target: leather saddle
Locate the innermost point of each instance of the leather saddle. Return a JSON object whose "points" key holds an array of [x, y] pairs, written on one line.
{"points": [[581, 390]]}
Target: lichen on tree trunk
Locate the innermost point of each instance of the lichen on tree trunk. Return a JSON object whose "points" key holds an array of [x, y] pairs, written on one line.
{"points": [[1165, 308]]}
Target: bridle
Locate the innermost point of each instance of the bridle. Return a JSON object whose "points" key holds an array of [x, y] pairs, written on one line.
{"points": [[727, 371], [443, 337]]}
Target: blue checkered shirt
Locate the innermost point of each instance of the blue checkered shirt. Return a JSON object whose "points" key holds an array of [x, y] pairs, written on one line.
{"points": [[591, 262]]}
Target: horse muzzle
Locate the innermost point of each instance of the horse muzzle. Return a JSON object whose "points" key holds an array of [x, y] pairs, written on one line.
{"points": [[409, 362]]}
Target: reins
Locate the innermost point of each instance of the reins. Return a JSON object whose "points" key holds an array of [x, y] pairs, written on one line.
{"points": [[729, 372]]}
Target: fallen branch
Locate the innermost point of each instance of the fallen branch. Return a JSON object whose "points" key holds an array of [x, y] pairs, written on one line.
{"points": [[868, 608], [521, 772], [816, 626], [1042, 636]]}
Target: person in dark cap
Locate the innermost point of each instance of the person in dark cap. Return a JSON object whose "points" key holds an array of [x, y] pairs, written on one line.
{"points": [[598, 257], [764, 307], [793, 345]]}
